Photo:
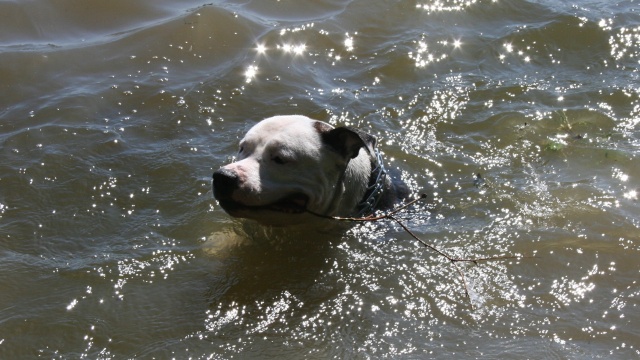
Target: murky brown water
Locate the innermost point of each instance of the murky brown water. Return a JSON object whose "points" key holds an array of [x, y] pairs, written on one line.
{"points": [[113, 116]]}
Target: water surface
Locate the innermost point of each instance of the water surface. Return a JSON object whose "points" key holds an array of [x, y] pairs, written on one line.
{"points": [[519, 119]]}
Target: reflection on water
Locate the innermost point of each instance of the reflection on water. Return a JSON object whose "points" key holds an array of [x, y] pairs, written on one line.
{"points": [[518, 119]]}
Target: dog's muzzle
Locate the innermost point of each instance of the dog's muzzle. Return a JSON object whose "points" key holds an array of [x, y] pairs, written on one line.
{"points": [[224, 183]]}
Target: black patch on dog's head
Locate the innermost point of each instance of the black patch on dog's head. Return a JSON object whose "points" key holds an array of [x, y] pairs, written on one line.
{"points": [[345, 140]]}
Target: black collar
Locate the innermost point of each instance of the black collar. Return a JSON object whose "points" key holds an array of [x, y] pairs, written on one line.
{"points": [[375, 188]]}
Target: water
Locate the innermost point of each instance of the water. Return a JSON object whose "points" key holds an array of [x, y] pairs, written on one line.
{"points": [[113, 115]]}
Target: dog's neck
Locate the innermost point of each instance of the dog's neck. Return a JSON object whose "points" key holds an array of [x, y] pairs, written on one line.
{"points": [[361, 185], [375, 187]]}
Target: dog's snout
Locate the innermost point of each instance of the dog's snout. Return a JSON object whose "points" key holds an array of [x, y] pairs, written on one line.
{"points": [[224, 182]]}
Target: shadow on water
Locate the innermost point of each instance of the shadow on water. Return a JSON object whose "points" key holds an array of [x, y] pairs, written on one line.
{"points": [[259, 263]]}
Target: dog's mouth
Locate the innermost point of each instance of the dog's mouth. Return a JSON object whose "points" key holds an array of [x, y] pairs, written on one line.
{"points": [[291, 204]]}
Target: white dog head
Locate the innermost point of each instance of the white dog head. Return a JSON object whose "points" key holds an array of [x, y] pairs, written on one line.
{"points": [[291, 166]]}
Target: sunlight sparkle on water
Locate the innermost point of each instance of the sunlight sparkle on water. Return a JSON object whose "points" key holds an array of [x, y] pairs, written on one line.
{"points": [[250, 74], [261, 49], [631, 195], [618, 174], [293, 49], [287, 48], [348, 43], [508, 47], [422, 57], [452, 5]]}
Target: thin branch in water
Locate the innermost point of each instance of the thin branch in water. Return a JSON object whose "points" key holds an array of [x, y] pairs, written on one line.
{"points": [[371, 217], [453, 260]]}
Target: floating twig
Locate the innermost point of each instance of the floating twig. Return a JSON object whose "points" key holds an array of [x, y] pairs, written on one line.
{"points": [[453, 260]]}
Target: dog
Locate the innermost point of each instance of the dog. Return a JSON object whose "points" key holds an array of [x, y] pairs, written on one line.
{"points": [[291, 169]]}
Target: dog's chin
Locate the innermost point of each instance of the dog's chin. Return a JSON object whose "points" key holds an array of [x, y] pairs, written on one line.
{"points": [[286, 211]]}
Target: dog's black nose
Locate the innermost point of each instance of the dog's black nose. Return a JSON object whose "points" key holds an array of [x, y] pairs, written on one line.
{"points": [[224, 182]]}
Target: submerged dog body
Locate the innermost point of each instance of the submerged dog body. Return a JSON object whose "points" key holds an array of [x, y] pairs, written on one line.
{"points": [[292, 168]]}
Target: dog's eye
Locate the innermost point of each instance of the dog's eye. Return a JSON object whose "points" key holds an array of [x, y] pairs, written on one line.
{"points": [[278, 160], [241, 150]]}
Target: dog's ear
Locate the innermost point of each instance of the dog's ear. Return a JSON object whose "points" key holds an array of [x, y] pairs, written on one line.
{"points": [[347, 141]]}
